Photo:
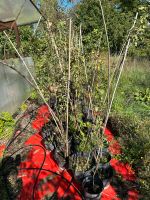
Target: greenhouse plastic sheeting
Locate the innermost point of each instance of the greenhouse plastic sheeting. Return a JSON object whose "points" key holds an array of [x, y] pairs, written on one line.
{"points": [[22, 11], [14, 89]]}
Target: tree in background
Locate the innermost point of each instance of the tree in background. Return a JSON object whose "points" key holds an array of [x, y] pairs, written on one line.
{"points": [[119, 15]]}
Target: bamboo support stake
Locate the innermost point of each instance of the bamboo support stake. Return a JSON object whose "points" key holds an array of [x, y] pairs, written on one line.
{"points": [[121, 66], [108, 48], [68, 88], [120, 72], [55, 46], [118, 79], [121, 52]]}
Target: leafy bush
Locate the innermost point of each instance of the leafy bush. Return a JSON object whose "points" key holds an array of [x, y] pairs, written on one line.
{"points": [[143, 96], [7, 124]]}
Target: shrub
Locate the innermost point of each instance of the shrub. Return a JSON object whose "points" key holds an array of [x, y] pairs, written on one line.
{"points": [[7, 124]]}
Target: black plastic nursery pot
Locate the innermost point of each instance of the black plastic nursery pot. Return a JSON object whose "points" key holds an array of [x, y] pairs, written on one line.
{"points": [[59, 158], [92, 187], [93, 183], [105, 173]]}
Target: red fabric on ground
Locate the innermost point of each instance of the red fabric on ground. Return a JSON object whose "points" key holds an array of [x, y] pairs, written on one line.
{"points": [[114, 147], [125, 170], [42, 118], [109, 136], [38, 184], [2, 148], [133, 194], [35, 159], [109, 194], [38, 157]]}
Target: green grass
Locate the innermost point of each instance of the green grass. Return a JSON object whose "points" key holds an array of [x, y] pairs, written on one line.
{"points": [[133, 82], [131, 110]]}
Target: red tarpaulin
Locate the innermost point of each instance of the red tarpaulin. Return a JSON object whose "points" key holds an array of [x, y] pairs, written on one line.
{"points": [[41, 176]]}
